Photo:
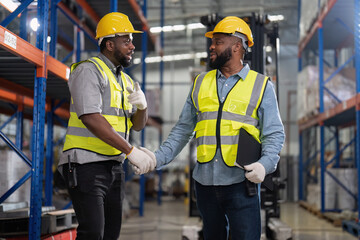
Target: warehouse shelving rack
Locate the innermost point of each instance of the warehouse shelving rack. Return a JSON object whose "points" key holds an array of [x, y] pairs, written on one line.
{"points": [[24, 67], [34, 85], [339, 28]]}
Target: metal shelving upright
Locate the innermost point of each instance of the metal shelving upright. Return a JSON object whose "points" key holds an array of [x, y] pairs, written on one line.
{"points": [[42, 95], [336, 26], [17, 79]]}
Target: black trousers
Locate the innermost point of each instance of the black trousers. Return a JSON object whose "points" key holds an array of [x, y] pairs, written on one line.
{"points": [[97, 199]]}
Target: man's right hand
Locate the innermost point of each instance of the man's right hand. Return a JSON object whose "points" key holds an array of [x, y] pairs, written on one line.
{"points": [[152, 156], [140, 160]]}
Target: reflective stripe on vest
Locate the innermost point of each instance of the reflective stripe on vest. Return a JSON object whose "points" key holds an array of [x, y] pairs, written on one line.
{"points": [[115, 109], [239, 110]]}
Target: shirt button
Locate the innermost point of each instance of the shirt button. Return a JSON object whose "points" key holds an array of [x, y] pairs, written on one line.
{"points": [[226, 85], [216, 160], [223, 98]]}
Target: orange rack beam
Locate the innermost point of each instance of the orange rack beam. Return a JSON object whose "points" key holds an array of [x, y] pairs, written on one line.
{"points": [[10, 91]]}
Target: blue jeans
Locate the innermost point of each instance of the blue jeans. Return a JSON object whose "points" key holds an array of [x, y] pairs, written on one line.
{"points": [[228, 207]]}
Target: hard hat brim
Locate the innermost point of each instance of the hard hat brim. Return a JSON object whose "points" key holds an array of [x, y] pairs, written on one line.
{"points": [[134, 31], [209, 34]]}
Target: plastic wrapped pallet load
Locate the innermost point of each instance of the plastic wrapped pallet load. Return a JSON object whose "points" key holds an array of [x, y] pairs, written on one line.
{"points": [[314, 191], [12, 169], [348, 177], [342, 85]]}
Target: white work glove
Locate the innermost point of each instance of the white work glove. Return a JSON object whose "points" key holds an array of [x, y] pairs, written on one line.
{"points": [[152, 156], [140, 160], [137, 97], [255, 172]]}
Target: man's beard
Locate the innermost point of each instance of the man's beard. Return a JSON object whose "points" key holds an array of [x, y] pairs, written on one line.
{"points": [[221, 59], [121, 58]]}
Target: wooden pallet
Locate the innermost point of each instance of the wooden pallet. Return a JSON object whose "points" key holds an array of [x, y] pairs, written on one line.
{"points": [[69, 234], [310, 208], [51, 222], [352, 227], [334, 218]]}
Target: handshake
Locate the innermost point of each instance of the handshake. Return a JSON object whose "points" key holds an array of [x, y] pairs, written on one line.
{"points": [[142, 160]]}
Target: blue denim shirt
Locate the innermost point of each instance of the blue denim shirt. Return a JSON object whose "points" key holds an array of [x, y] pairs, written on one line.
{"points": [[216, 172]]}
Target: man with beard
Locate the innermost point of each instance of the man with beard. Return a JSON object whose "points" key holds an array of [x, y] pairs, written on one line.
{"points": [[102, 112], [221, 102]]}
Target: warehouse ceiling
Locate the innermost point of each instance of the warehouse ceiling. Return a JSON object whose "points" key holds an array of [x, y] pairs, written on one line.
{"points": [[177, 14], [189, 12]]}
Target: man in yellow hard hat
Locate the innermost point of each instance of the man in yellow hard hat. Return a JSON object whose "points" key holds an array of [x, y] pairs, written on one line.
{"points": [[105, 105], [222, 104]]}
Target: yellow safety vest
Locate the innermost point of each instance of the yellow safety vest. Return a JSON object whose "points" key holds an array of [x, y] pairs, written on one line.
{"points": [[218, 124], [116, 110]]}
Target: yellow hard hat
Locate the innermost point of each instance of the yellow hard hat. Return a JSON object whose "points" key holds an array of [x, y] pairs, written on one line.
{"points": [[231, 25], [113, 23]]}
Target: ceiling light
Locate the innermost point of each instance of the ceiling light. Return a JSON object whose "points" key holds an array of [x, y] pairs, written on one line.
{"points": [[190, 26], [179, 27], [34, 24], [195, 26], [275, 18], [176, 57], [167, 28], [155, 29]]}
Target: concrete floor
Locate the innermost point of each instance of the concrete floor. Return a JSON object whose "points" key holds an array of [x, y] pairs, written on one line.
{"points": [[306, 226], [166, 222]]}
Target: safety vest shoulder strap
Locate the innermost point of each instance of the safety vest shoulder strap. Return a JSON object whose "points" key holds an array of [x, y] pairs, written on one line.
{"points": [[257, 92], [128, 80], [92, 60], [196, 87]]}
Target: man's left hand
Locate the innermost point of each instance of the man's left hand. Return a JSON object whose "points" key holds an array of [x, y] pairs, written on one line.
{"points": [[137, 97], [255, 172]]}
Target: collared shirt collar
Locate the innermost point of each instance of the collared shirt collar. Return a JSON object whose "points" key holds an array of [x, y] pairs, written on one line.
{"points": [[242, 74], [112, 67]]}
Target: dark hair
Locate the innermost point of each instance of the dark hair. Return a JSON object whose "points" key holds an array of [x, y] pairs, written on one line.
{"points": [[103, 43]]}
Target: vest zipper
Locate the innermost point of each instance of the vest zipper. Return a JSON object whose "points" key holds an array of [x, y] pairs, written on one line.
{"points": [[122, 104], [218, 122]]}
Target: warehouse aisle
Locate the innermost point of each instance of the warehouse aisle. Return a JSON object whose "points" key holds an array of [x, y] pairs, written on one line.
{"points": [[165, 222], [307, 226]]}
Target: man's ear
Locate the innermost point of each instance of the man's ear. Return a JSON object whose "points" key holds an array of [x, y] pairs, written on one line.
{"points": [[110, 45], [237, 46]]}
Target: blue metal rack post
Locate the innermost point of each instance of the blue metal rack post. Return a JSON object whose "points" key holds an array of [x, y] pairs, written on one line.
{"points": [[113, 5], [49, 157], [162, 13], [301, 168], [357, 67], [19, 126], [23, 27], [321, 99], [144, 39], [38, 127]]}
